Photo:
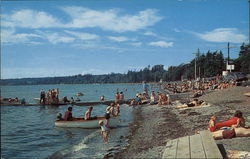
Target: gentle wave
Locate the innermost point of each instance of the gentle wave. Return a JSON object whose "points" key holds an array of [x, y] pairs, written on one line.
{"points": [[81, 145]]}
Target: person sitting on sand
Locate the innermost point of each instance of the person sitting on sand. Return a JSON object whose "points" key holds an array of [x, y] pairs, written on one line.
{"points": [[138, 100], [104, 131], [211, 124], [68, 114], [164, 100], [152, 97], [229, 134], [198, 93], [237, 121], [132, 102]]}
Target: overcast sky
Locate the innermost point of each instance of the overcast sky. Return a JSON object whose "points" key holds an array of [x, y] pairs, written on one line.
{"points": [[58, 38]]}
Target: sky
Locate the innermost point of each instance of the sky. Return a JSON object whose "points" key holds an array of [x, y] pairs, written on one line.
{"points": [[60, 38]]}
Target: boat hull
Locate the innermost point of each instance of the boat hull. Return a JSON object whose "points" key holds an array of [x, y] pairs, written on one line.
{"points": [[88, 124]]}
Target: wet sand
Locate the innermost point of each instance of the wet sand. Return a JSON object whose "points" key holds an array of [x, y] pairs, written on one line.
{"points": [[155, 125]]}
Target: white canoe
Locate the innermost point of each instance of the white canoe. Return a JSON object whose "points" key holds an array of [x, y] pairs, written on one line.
{"points": [[81, 123]]}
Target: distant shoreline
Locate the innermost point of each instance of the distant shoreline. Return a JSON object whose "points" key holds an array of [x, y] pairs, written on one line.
{"points": [[77, 84]]}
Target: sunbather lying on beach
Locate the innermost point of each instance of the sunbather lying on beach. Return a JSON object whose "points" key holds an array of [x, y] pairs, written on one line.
{"points": [[229, 134], [194, 103], [237, 121]]}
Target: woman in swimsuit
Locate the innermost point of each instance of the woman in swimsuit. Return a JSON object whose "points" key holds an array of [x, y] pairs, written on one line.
{"points": [[236, 121]]}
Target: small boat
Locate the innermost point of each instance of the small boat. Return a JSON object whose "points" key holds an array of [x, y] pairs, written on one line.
{"points": [[81, 123], [79, 94]]}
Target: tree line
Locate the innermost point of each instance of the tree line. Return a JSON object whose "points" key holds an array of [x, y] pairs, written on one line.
{"points": [[207, 64]]}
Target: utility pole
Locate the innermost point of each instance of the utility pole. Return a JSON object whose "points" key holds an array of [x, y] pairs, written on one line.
{"points": [[228, 54], [228, 57], [197, 53], [249, 22]]}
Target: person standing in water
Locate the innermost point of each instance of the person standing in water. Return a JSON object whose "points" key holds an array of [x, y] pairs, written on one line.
{"points": [[104, 131], [121, 96], [117, 97], [42, 96], [145, 87]]}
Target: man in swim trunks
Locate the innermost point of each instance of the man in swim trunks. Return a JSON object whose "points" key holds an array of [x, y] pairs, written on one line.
{"points": [[229, 134], [87, 115], [68, 114]]}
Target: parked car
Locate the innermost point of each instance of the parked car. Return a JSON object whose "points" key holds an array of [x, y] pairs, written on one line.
{"points": [[238, 76]]}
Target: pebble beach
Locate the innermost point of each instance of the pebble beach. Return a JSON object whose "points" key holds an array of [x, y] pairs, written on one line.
{"points": [[155, 125]]}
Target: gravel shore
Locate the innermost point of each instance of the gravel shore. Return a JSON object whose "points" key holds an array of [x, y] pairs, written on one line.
{"points": [[155, 125]]}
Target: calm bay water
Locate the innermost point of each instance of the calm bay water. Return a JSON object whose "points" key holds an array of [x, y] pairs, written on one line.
{"points": [[29, 132]]}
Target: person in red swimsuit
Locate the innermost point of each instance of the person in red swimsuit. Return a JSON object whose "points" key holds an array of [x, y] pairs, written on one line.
{"points": [[236, 121], [211, 125]]}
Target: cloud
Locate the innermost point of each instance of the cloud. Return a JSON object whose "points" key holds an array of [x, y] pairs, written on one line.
{"points": [[222, 35], [111, 20], [27, 18], [149, 33], [83, 36], [162, 44], [10, 36], [55, 38], [118, 38]]}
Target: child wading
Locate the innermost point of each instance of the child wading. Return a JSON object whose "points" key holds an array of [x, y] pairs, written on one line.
{"points": [[104, 131]]}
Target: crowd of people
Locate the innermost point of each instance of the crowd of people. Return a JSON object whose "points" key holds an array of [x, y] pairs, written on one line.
{"points": [[50, 97], [154, 98], [199, 86]]}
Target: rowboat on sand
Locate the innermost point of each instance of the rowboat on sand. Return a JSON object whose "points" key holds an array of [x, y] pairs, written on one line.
{"points": [[81, 123]]}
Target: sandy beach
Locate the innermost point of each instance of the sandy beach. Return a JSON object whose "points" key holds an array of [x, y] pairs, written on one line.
{"points": [[155, 125]]}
